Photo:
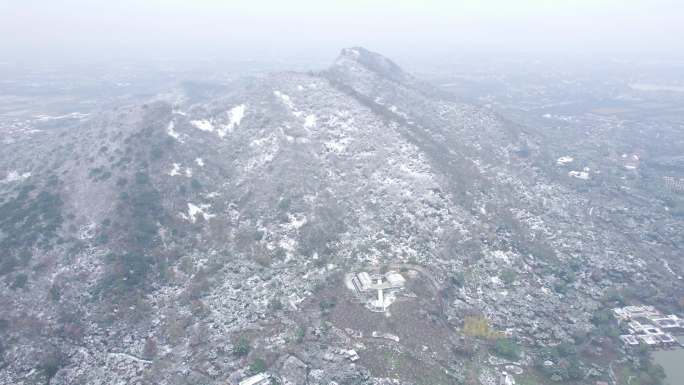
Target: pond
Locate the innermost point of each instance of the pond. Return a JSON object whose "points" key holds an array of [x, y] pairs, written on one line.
{"points": [[673, 363]]}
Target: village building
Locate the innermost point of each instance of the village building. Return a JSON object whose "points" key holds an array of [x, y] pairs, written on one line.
{"points": [[674, 184], [258, 379], [350, 354], [629, 340], [631, 312], [376, 291], [647, 325], [506, 379], [669, 322]]}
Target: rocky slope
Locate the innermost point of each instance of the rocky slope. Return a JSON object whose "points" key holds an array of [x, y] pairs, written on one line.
{"points": [[176, 243]]}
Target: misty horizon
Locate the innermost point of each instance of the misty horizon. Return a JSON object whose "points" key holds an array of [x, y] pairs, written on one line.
{"points": [[97, 31], [342, 192]]}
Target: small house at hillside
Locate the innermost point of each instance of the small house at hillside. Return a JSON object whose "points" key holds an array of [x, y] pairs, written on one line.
{"points": [[258, 379]]}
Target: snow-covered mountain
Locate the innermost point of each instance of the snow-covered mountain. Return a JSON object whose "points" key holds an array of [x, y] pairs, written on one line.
{"points": [[180, 242]]}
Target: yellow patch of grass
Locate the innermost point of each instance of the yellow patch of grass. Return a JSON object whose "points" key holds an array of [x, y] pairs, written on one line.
{"points": [[478, 326]]}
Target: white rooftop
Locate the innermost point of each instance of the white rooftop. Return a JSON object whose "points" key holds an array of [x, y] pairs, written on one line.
{"points": [[649, 339], [395, 279], [257, 379], [629, 339]]}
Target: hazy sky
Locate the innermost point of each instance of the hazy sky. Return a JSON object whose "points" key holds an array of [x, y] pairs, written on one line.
{"points": [[94, 29]]}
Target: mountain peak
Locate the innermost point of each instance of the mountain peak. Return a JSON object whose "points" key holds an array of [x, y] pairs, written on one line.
{"points": [[371, 61]]}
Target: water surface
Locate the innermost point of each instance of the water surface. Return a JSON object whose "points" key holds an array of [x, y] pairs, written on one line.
{"points": [[673, 363]]}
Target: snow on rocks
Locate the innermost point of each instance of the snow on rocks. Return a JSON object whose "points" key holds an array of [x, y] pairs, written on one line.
{"points": [[395, 110], [14, 176], [295, 222], [341, 127], [72, 115], [235, 115], [337, 146], [310, 121], [563, 160], [289, 245], [287, 101], [87, 231], [195, 211], [170, 129], [177, 170], [265, 150], [284, 98], [203, 124]]}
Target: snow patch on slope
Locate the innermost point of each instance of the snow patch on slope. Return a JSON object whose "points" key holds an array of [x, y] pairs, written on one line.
{"points": [[563, 160], [14, 176], [287, 101], [266, 149], [176, 170], [310, 121], [203, 124], [284, 98], [236, 114], [194, 211], [170, 129], [73, 115]]}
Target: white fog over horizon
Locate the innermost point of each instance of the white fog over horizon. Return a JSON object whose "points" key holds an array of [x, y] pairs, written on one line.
{"points": [[80, 31]]}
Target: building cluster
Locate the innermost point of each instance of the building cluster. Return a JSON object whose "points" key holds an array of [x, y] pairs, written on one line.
{"points": [[376, 291], [647, 325], [674, 184]]}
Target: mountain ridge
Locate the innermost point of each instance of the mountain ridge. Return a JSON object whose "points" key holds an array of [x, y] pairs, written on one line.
{"points": [[202, 234]]}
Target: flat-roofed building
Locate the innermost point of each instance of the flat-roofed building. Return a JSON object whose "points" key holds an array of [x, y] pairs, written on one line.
{"points": [[365, 281], [629, 339], [395, 279], [652, 330], [351, 354], [649, 339], [258, 379], [630, 312], [668, 322], [674, 184], [635, 327], [667, 339], [376, 291]]}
